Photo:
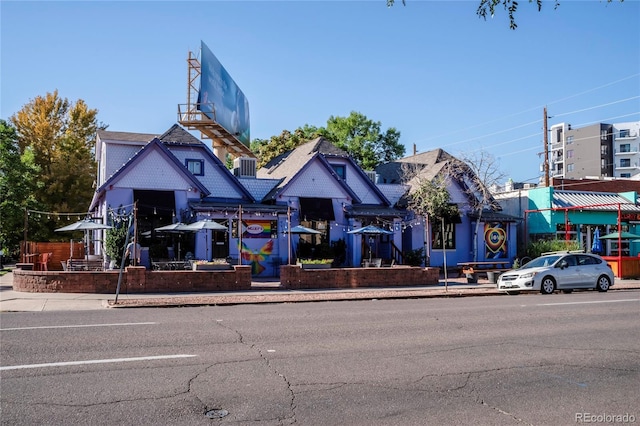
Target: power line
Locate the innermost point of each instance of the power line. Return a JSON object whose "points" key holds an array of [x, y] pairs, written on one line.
{"points": [[528, 110]]}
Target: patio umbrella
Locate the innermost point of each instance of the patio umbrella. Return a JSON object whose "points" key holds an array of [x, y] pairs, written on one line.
{"points": [[85, 225], [596, 246], [175, 228], [207, 225], [303, 230], [370, 230], [623, 236]]}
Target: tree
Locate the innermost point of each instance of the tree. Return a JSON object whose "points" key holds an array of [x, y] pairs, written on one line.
{"points": [[478, 172], [429, 197], [17, 186], [61, 136], [488, 7], [356, 134], [363, 139], [267, 150]]}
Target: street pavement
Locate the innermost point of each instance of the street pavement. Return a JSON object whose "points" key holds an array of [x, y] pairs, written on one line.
{"points": [[264, 291]]}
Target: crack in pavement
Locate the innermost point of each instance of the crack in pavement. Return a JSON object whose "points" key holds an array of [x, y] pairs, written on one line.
{"points": [[266, 360]]}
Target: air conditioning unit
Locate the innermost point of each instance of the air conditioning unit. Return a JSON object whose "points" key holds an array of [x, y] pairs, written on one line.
{"points": [[245, 167], [372, 175]]}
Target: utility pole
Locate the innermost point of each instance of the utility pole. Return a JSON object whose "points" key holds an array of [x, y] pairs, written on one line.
{"points": [[546, 148]]}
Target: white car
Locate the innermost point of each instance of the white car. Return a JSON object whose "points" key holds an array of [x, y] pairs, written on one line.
{"points": [[563, 271]]}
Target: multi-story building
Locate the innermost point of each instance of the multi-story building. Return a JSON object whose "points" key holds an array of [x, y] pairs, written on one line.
{"points": [[599, 150], [626, 145]]}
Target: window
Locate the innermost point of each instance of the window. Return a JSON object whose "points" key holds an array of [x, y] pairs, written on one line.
{"points": [[449, 236], [569, 153], [570, 167], [604, 150], [196, 167], [625, 147], [624, 133], [603, 164], [625, 162], [340, 170], [569, 139], [603, 134], [625, 175]]}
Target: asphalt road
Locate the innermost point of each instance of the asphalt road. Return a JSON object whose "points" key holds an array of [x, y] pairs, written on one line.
{"points": [[523, 360]]}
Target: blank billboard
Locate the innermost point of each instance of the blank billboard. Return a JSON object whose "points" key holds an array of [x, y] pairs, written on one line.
{"points": [[221, 99]]}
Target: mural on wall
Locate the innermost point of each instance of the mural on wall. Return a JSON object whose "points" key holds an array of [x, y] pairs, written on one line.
{"points": [[257, 256], [495, 240]]}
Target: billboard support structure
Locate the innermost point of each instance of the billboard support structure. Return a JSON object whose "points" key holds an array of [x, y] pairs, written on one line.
{"points": [[191, 116]]}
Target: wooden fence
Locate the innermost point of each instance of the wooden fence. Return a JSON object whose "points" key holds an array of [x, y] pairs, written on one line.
{"points": [[61, 251]]}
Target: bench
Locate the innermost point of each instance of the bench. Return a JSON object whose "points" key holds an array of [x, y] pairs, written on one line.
{"points": [[84, 265]]}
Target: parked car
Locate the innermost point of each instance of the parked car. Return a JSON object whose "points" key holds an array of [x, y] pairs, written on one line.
{"points": [[563, 271]]}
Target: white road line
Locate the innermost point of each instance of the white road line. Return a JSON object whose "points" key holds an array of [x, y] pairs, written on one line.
{"points": [[78, 326], [93, 361], [584, 303]]}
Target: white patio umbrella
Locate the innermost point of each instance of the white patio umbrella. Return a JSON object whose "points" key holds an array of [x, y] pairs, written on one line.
{"points": [[299, 229], [206, 225], [85, 225]]}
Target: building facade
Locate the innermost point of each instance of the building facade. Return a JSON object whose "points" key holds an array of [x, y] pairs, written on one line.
{"points": [[599, 150]]}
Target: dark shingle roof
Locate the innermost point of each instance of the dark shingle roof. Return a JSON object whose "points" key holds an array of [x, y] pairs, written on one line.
{"points": [[178, 135]]}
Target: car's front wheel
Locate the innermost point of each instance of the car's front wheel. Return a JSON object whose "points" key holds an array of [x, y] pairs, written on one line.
{"points": [[603, 283], [548, 285]]}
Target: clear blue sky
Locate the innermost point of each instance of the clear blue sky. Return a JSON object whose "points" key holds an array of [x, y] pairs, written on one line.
{"points": [[431, 69]]}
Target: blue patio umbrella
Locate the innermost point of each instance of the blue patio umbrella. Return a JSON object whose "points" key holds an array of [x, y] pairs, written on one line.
{"points": [[370, 230], [596, 246]]}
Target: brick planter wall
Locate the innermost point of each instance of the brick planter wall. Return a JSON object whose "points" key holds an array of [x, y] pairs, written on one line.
{"points": [[134, 280], [294, 277]]}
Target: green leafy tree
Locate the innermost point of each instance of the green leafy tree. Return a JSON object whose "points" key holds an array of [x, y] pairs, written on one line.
{"points": [[17, 186], [268, 149], [489, 8], [361, 137], [116, 237], [61, 135], [364, 140]]}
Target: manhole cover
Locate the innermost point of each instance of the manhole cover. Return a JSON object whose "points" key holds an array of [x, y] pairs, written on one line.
{"points": [[216, 413]]}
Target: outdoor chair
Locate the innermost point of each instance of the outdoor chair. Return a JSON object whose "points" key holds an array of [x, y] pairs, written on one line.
{"points": [[42, 263]]}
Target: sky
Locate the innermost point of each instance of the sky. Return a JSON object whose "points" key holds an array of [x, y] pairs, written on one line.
{"points": [[433, 70]]}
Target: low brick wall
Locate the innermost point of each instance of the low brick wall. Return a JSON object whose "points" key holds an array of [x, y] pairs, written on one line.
{"points": [[134, 280], [294, 277]]}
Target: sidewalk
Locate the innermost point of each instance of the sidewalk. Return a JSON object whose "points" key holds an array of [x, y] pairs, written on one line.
{"points": [[268, 291]]}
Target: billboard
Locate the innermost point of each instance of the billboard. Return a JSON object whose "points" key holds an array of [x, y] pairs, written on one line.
{"points": [[221, 99]]}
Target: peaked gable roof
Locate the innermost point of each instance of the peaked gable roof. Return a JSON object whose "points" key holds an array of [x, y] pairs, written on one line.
{"points": [[154, 146], [290, 165], [430, 163], [177, 135]]}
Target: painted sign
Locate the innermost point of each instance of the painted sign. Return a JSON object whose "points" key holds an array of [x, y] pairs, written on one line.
{"points": [[221, 99], [495, 240], [259, 229]]}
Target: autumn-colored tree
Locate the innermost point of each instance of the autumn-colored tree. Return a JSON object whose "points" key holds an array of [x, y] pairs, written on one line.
{"points": [[61, 135], [18, 184]]}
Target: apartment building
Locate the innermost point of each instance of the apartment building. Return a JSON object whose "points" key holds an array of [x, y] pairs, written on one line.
{"points": [[598, 150]]}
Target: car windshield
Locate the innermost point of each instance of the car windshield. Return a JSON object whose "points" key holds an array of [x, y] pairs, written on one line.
{"points": [[539, 262]]}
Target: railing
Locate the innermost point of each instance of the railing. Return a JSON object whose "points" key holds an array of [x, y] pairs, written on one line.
{"points": [[396, 254]]}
